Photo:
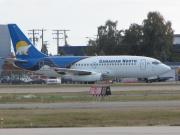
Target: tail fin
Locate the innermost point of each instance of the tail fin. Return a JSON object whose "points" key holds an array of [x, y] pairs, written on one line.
{"points": [[23, 48]]}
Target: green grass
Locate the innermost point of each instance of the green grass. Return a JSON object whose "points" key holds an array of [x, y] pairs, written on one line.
{"points": [[88, 118], [85, 97]]}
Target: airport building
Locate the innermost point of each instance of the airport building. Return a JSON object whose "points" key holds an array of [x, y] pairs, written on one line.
{"points": [[176, 43], [5, 44], [72, 50]]}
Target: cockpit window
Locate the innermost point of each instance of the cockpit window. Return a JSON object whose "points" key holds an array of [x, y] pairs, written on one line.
{"points": [[155, 62]]}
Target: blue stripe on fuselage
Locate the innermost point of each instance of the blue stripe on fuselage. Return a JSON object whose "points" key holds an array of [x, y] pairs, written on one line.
{"points": [[52, 61], [65, 61]]}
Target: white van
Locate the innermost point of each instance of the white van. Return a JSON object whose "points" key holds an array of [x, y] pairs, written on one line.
{"points": [[53, 80]]}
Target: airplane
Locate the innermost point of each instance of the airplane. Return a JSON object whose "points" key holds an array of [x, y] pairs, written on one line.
{"points": [[81, 68]]}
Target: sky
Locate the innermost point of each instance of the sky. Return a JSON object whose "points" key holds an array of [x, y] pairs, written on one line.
{"points": [[82, 17]]}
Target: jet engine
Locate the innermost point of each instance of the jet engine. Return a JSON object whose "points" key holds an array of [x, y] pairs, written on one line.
{"points": [[84, 78]]}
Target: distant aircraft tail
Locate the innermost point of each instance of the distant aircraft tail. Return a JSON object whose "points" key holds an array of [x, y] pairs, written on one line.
{"points": [[23, 48]]}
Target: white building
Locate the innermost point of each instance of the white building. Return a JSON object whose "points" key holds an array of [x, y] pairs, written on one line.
{"points": [[176, 43], [5, 44], [176, 40]]}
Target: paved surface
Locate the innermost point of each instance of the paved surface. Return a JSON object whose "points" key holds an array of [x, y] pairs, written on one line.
{"points": [[45, 89], [94, 131], [94, 105]]}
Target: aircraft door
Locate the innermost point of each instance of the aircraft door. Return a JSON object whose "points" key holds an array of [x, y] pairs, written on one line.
{"points": [[94, 65], [143, 64]]}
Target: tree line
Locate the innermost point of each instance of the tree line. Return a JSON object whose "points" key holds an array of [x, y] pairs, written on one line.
{"points": [[153, 38]]}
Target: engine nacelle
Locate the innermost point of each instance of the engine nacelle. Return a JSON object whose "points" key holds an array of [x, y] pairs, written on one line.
{"points": [[85, 78]]}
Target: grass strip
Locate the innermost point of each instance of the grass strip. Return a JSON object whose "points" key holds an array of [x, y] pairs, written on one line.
{"points": [[87, 118], [85, 97]]}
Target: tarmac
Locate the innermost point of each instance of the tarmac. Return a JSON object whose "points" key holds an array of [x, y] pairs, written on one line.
{"points": [[91, 105], [94, 131], [162, 130], [51, 89], [94, 105]]}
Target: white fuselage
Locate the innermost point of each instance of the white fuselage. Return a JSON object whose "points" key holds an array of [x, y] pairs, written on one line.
{"points": [[117, 66]]}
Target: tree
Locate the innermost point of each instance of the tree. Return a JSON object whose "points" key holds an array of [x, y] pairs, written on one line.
{"points": [[157, 36], [91, 48], [107, 34], [44, 49], [153, 38], [133, 38], [108, 38]]}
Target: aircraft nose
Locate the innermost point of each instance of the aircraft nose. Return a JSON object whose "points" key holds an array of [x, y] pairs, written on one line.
{"points": [[166, 68]]}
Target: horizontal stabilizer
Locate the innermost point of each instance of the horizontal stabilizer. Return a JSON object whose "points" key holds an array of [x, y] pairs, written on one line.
{"points": [[12, 60]]}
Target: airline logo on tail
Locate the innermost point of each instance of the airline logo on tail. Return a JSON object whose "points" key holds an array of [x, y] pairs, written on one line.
{"points": [[22, 48]]}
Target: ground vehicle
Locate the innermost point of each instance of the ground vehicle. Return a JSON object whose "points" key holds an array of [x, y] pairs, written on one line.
{"points": [[53, 80], [37, 81]]}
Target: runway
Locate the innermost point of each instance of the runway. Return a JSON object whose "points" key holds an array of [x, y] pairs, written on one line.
{"points": [[91, 105], [53, 89], [104, 105], [94, 105], [94, 131]]}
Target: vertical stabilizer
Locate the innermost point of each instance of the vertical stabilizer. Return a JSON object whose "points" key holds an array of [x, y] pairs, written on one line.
{"points": [[23, 48]]}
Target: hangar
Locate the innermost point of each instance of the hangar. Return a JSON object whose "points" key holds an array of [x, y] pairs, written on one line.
{"points": [[5, 44]]}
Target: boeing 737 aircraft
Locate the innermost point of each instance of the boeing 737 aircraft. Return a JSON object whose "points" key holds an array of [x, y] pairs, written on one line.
{"points": [[78, 68]]}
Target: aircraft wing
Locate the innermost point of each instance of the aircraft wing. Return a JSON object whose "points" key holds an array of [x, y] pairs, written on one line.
{"points": [[64, 71]]}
